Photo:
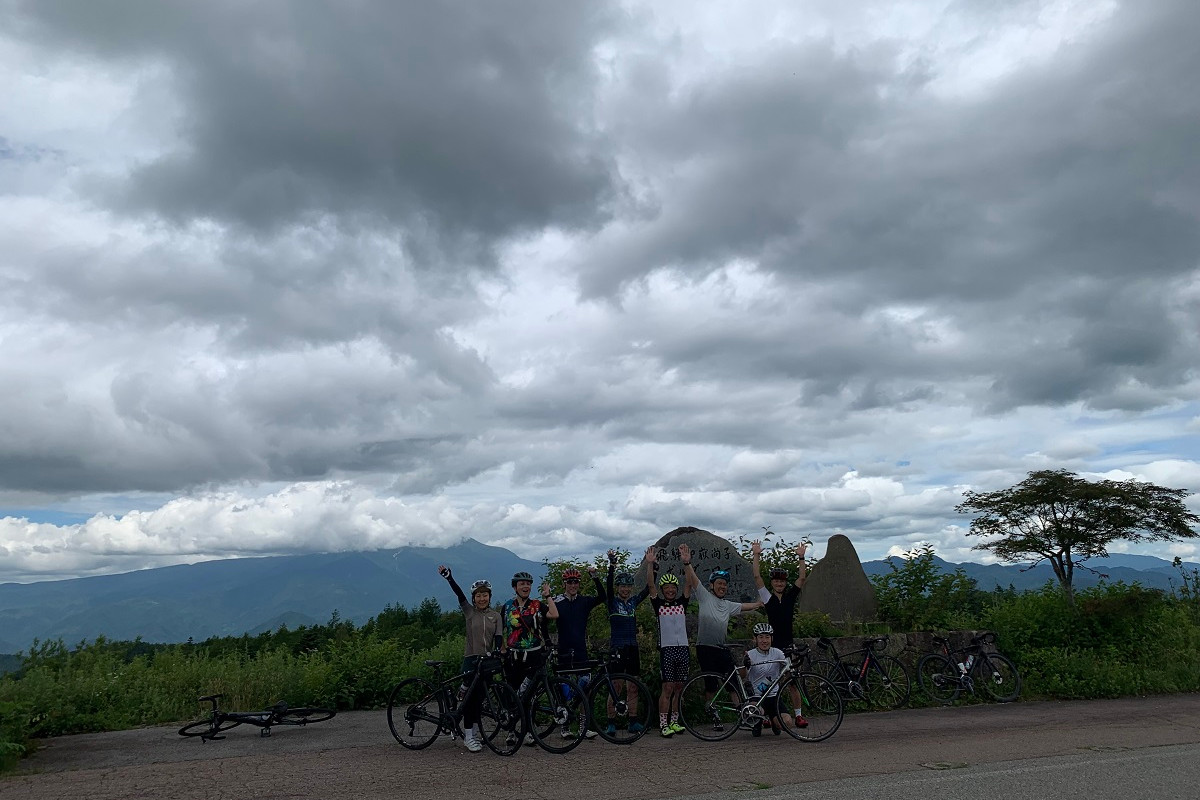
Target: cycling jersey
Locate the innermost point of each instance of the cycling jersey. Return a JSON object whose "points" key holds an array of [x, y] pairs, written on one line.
{"points": [[781, 613], [620, 614], [672, 625], [763, 668], [524, 626]]}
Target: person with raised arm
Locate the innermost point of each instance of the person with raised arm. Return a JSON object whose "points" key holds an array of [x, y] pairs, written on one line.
{"points": [[674, 660], [715, 613], [573, 612], [525, 634], [622, 604], [483, 632], [779, 604]]}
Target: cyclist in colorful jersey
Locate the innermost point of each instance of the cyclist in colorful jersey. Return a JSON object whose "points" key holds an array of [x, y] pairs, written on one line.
{"points": [[483, 633], [573, 612], [622, 604], [674, 660], [762, 666], [715, 612], [525, 632], [779, 602]]}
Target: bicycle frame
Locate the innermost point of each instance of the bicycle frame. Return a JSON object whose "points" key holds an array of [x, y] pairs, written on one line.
{"points": [[851, 685]]}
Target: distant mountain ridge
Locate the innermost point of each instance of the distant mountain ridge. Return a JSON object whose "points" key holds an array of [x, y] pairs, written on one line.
{"points": [[236, 596], [252, 595], [1149, 571]]}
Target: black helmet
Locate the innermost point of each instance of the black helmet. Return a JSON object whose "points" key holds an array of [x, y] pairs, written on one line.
{"points": [[521, 576]]}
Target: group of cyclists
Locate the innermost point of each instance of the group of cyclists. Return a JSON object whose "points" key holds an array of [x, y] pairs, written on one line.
{"points": [[521, 626]]}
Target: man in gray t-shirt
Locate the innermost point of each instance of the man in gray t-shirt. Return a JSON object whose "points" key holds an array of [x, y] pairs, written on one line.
{"points": [[715, 611]]}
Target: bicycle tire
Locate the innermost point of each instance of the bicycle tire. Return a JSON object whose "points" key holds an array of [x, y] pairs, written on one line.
{"points": [[414, 713], [558, 715], [821, 706], [304, 716], [205, 729], [838, 674], [887, 684], [501, 719], [999, 679], [715, 720], [601, 694], [938, 678]]}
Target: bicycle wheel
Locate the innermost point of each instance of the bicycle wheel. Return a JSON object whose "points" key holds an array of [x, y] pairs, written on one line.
{"points": [[414, 713], [839, 675], [558, 714], [887, 683], [609, 700], [205, 728], [304, 716], [998, 677], [501, 719], [820, 706], [715, 719], [938, 678]]}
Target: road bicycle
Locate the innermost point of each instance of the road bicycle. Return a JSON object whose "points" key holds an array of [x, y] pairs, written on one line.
{"points": [[946, 673], [557, 712], [219, 721], [817, 716], [419, 710], [608, 694], [869, 676]]}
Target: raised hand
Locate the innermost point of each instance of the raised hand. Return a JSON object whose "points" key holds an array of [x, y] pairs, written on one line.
{"points": [[685, 552], [756, 548], [444, 571], [651, 554]]}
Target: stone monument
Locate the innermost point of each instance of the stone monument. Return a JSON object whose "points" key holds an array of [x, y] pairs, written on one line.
{"points": [[838, 585], [709, 552]]}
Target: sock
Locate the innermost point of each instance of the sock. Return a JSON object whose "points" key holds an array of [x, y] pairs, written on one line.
{"points": [[662, 720], [674, 717]]}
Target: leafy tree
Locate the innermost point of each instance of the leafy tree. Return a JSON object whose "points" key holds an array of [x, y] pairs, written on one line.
{"points": [[1056, 516], [918, 594]]}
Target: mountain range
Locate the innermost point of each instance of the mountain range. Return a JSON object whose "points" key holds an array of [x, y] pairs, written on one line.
{"points": [[251, 595], [245, 595]]}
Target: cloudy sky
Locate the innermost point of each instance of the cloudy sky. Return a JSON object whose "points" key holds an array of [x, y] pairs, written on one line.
{"points": [[290, 277]]}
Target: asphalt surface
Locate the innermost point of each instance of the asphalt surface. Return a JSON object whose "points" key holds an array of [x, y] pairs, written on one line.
{"points": [[1041, 748]]}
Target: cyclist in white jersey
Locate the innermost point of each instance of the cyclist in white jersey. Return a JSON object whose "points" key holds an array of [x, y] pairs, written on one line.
{"points": [[673, 658]]}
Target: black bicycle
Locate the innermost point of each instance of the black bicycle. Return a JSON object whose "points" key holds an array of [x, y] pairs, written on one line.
{"points": [[621, 706], [818, 712], [947, 673], [219, 721], [556, 707], [419, 711], [870, 676]]}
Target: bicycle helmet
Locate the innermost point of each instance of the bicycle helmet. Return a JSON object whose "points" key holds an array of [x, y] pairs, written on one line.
{"points": [[571, 574], [623, 579], [719, 574], [763, 627], [521, 576], [670, 578], [779, 572], [480, 586]]}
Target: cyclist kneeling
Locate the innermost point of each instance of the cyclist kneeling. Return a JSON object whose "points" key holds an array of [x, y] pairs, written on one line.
{"points": [[763, 665]]}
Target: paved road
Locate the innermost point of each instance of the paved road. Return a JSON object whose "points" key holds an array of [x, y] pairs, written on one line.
{"points": [[354, 756]]}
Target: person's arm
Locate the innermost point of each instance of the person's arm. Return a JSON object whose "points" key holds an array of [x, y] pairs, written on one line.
{"points": [[803, 576], [551, 608], [601, 595], [445, 572], [757, 604], [756, 564], [651, 570], [685, 558], [612, 570]]}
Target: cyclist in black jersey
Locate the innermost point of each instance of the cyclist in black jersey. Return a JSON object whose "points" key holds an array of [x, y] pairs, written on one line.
{"points": [[779, 602]]}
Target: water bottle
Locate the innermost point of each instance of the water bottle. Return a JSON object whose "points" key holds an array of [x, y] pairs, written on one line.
{"points": [[462, 691], [963, 666], [970, 662], [525, 684]]}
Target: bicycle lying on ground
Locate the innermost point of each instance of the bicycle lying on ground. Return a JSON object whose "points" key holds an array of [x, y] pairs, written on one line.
{"points": [[817, 716], [419, 711], [947, 673], [220, 721], [613, 716], [877, 679]]}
